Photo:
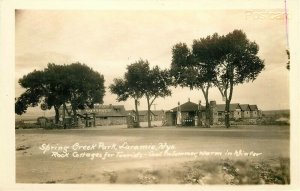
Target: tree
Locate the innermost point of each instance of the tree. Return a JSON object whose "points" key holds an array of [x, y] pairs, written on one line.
{"points": [[54, 91], [28, 98], [132, 84], [39, 88], [83, 87], [57, 85], [238, 63], [139, 81], [196, 68], [156, 85], [121, 88]]}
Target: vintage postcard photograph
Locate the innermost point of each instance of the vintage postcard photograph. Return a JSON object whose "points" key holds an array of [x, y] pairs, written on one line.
{"points": [[152, 96]]}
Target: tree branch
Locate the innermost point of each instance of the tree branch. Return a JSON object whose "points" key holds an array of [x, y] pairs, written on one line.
{"points": [[202, 89], [153, 100]]}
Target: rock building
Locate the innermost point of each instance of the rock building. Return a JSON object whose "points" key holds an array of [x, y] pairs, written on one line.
{"points": [[192, 114]]}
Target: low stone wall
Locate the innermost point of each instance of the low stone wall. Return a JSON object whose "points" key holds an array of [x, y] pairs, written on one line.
{"points": [[102, 121]]}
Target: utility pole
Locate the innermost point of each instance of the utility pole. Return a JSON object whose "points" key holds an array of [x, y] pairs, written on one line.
{"points": [[154, 104]]}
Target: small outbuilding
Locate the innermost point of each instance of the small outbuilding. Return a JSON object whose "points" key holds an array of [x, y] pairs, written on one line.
{"points": [[187, 114]]}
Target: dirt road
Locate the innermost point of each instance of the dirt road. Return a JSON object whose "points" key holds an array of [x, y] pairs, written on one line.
{"points": [[33, 165]]}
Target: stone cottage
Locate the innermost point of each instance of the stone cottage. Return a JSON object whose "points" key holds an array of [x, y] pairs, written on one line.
{"points": [[187, 114], [246, 110], [192, 114], [99, 115]]}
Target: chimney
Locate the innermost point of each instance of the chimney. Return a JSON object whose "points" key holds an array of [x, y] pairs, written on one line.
{"points": [[189, 100]]}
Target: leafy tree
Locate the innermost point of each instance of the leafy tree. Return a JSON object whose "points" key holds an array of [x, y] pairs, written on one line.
{"points": [[38, 89], [28, 98], [196, 68], [83, 87], [205, 52], [121, 88], [131, 85], [156, 85], [57, 85], [139, 81], [221, 61], [54, 92], [238, 63]]}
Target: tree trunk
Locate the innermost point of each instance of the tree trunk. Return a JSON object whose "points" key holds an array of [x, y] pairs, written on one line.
{"points": [[207, 114], [75, 115], [64, 115], [227, 107], [149, 107], [66, 109], [56, 109], [207, 108], [228, 100], [137, 112]]}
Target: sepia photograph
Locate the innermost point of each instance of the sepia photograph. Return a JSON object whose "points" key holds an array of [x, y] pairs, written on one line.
{"points": [[153, 96]]}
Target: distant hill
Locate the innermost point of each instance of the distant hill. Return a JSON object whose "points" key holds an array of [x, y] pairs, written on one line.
{"points": [[283, 113]]}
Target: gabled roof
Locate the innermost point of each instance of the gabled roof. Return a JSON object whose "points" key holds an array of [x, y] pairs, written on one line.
{"points": [[253, 107], [188, 106], [232, 107], [245, 107]]}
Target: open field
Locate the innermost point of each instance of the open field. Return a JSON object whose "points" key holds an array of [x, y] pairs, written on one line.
{"points": [[272, 142]]}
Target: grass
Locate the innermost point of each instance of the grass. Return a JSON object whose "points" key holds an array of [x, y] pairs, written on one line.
{"points": [[220, 172], [237, 172]]}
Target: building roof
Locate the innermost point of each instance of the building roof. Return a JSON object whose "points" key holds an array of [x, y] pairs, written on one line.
{"points": [[232, 107], [105, 110], [253, 107], [188, 106], [158, 112], [112, 114], [110, 106], [245, 107], [145, 112]]}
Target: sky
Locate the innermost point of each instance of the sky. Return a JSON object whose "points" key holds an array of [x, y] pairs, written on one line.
{"points": [[109, 40]]}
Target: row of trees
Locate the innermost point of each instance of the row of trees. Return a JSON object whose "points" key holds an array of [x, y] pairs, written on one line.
{"points": [[215, 61], [57, 85]]}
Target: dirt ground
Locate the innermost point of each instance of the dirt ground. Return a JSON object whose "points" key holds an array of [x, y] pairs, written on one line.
{"points": [[269, 144]]}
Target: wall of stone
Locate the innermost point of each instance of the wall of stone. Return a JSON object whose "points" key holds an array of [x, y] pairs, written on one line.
{"points": [[103, 121]]}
